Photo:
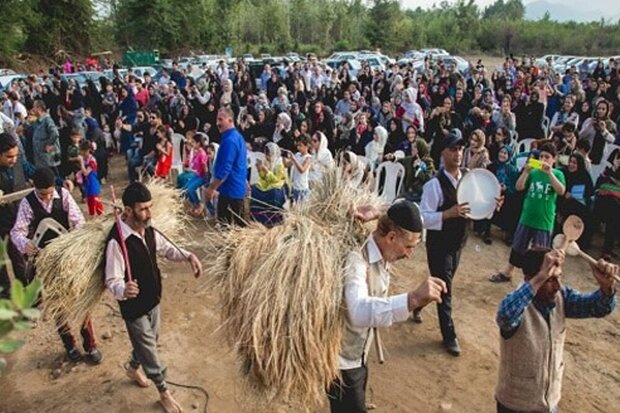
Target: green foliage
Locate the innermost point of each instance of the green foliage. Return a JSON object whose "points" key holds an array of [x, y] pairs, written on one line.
{"points": [[16, 313], [277, 26]]}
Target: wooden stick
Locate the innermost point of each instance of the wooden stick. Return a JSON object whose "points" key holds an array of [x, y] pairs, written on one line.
{"points": [[171, 243], [591, 260], [117, 220], [379, 346]]}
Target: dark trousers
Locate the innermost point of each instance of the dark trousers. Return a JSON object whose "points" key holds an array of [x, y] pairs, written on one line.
{"points": [[19, 269], [443, 264], [349, 395], [230, 211], [88, 335]]}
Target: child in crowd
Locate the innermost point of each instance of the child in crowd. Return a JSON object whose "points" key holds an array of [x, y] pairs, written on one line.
{"points": [[90, 181], [300, 163], [164, 152]]}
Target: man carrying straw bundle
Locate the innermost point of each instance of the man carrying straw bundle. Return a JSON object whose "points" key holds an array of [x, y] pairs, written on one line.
{"points": [[139, 296], [366, 282], [49, 201], [531, 322]]}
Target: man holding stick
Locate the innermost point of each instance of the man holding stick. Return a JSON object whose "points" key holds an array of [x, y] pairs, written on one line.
{"points": [[138, 287], [366, 283], [532, 327]]}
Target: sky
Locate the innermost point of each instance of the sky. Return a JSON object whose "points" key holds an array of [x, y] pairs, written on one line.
{"points": [[595, 8]]}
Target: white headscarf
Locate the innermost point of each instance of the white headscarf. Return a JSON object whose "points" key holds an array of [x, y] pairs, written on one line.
{"points": [[286, 121], [275, 156], [357, 169], [374, 149], [321, 160]]}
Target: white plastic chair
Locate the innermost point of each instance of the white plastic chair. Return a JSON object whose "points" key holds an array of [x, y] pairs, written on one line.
{"points": [[177, 152], [545, 125], [597, 170], [525, 145], [252, 158], [394, 174]]}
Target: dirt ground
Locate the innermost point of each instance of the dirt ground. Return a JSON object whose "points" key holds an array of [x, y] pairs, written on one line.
{"points": [[418, 376]]}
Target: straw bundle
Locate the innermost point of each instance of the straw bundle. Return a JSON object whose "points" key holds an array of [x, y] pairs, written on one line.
{"points": [[71, 266], [281, 292]]}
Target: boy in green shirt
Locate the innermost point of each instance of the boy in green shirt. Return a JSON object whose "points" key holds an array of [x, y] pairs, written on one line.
{"points": [[542, 188]]}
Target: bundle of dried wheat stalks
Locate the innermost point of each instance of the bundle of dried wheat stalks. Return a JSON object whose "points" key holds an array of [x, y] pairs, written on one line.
{"points": [[71, 266], [281, 291]]}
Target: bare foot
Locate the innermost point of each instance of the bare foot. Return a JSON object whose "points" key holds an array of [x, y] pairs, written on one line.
{"points": [[168, 403], [136, 375]]}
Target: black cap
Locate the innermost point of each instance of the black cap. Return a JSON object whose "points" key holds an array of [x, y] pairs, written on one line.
{"points": [[406, 215], [454, 138], [136, 192]]}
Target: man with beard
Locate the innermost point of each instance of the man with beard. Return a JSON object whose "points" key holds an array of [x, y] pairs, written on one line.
{"points": [[139, 296], [366, 284]]}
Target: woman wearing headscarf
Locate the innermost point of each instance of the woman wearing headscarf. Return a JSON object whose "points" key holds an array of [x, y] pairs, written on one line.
{"points": [[476, 155], [396, 137], [93, 100], [419, 168], [283, 135], [412, 111], [269, 193], [507, 174], [375, 148], [599, 130], [353, 169], [322, 158], [577, 199], [607, 207], [229, 97]]}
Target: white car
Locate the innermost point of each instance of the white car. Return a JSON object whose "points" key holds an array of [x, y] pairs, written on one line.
{"points": [[6, 80]]}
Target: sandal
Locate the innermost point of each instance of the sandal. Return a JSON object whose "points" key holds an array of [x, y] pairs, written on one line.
{"points": [[500, 278]]}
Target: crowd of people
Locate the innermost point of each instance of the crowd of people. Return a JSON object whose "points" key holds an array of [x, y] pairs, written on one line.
{"points": [[315, 115], [550, 139]]}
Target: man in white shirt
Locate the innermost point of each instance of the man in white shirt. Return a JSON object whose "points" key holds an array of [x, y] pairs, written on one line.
{"points": [[445, 221], [138, 287], [366, 282]]}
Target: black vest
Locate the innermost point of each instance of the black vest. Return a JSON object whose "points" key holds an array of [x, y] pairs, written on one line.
{"points": [[454, 231], [11, 180], [57, 213], [144, 270]]}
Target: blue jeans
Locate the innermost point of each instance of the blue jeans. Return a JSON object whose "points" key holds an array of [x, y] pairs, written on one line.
{"points": [[299, 195], [191, 189], [134, 160]]}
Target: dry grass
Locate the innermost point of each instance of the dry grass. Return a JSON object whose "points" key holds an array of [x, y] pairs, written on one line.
{"points": [[71, 267], [281, 292]]}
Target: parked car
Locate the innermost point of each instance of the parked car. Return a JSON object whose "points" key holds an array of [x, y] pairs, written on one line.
{"points": [[6, 80]]}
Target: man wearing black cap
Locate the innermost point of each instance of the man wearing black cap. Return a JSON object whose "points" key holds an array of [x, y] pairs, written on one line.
{"points": [[445, 221], [366, 283], [139, 298]]}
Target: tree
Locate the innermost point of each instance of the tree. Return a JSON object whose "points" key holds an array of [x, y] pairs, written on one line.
{"points": [[59, 25], [509, 10]]}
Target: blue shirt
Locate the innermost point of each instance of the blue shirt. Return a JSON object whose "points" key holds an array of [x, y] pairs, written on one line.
{"points": [[576, 305], [231, 165]]}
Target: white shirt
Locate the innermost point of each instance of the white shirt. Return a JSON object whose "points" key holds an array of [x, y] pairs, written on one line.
{"points": [[5, 123], [25, 216], [115, 263], [432, 199], [362, 309], [300, 180], [19, 109]]}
